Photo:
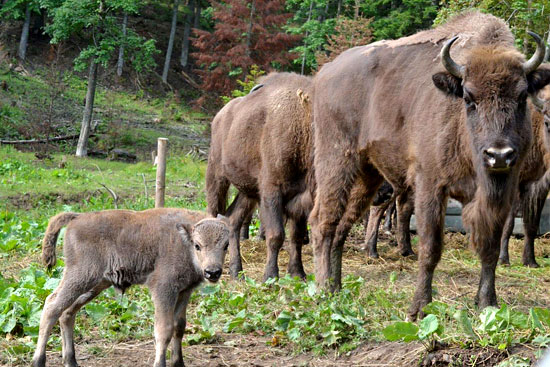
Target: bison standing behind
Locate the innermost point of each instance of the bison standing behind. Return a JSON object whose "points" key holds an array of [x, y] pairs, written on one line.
{"points": [[391, 109], [169, 250], [261, 145]]}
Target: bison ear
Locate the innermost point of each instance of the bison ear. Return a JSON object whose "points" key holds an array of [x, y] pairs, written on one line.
{"points": [[538, 79], [185, 231], [448, 83]]}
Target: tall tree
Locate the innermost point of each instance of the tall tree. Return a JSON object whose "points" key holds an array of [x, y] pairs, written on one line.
{"points": [[246, 32], [170, 41], [96, 19], [21, 9], [190, 16], [120, 62]]}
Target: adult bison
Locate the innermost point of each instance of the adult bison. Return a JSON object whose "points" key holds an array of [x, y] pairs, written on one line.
{"points": [[261, 144], [407, 110]]}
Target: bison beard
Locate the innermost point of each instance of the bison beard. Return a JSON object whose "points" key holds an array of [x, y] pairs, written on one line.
{"points": [[472, 137]]}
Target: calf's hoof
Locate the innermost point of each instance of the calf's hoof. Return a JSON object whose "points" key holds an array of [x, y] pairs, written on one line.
{"points": [[178, 363], [373, 254], [270, 275], [300, 273]]}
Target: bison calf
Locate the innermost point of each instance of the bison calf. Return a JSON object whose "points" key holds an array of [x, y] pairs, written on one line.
{"points": [[169, 250]]}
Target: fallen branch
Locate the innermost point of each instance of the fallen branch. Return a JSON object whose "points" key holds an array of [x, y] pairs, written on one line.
{"points": [[113, 194], [31, 141], [190, 80]]}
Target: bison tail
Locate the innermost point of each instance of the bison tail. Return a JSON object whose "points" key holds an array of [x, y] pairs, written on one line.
{"points": [[50, 238]]}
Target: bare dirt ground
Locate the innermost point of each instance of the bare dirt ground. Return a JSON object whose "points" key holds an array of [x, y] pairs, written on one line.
{"points": [[455, 282]]}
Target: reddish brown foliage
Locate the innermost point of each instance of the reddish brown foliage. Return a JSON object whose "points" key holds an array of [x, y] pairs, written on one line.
{"points": [[247, 32], [348, 33]]}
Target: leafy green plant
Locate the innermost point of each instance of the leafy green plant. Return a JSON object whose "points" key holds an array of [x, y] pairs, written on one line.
{"points": [[247, 84]]}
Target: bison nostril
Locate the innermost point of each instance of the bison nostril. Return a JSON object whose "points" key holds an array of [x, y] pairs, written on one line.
{"points": [[212, 274], [500, 158]]}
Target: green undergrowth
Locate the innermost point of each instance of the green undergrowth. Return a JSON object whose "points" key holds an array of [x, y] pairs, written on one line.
{"points": [[46, 103]]}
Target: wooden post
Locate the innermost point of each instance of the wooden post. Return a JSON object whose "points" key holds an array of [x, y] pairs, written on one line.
{"points": [[161, 172]]}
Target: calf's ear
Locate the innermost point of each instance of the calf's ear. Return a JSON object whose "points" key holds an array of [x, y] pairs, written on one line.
{"points": [[448, 83], [223, 218], [185, 231], [538, 79]]}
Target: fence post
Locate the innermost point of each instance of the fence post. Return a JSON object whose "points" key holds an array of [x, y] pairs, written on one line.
{"points": [[161, 172]]}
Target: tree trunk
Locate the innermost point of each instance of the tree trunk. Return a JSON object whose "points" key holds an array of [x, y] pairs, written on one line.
{"points": [[196, 21], [25, 34], [526, 38], [305, 49], [339, 8], [120, 62], [356, 15], [249, 31], [82, 146], [186, 32], [170, 42]]}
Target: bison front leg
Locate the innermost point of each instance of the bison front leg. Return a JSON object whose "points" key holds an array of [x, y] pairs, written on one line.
{"points": [[271, 212], [504, 257], [238, 211], [405, 208], [430, 214]]}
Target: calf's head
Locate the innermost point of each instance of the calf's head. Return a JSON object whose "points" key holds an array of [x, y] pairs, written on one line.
{"points": [[210, 240], [494, 83]]}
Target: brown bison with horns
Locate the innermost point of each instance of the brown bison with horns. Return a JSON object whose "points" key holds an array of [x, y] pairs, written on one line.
{"points": [[390, 110]]}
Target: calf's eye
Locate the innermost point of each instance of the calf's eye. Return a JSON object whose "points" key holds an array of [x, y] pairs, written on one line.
{"points": [[197, 247]]}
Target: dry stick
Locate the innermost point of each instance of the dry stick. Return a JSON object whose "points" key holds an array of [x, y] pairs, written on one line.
{"points": [[161, 172], [145, 185], [57, 138], [113, 194]]}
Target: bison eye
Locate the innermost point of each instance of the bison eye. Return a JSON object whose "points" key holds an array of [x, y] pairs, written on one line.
{"points": [[469, 100], [197, 247]]}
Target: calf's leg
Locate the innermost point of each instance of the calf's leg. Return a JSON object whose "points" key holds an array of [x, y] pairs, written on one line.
{"points": [[504, 257], [388, 219], [68, 291], [532, 211], [67, 319], [164, 299], [176, 359]]}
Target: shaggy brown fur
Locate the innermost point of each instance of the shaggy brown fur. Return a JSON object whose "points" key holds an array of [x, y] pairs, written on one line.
{"points": [[533, 188], [261, 144], [378, 110], [169, 250]]}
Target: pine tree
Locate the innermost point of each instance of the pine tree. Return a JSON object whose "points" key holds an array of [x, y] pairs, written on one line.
{"points": [[246, 32]]}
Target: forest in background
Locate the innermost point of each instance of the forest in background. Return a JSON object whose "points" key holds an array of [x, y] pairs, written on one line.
{"points": [[198, 53]]}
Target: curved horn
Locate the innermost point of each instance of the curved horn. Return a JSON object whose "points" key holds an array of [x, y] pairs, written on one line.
{"points": [[533, 63], [451, 66]]}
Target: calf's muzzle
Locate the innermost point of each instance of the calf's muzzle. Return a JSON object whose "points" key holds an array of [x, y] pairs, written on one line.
{"points": [[500, 159]]}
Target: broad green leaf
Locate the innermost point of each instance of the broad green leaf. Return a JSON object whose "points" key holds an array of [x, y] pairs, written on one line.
{"points": [[428, 326], [462, 317], [283, 320], [405, 331]]}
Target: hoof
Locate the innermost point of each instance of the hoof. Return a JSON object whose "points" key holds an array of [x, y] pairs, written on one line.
{"points": [[532, 264], [39, 362], [407, 252], [374, 255], [504, 262]]}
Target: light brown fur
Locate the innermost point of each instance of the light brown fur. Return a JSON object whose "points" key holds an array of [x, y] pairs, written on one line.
{"points": [[169, 250]]}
